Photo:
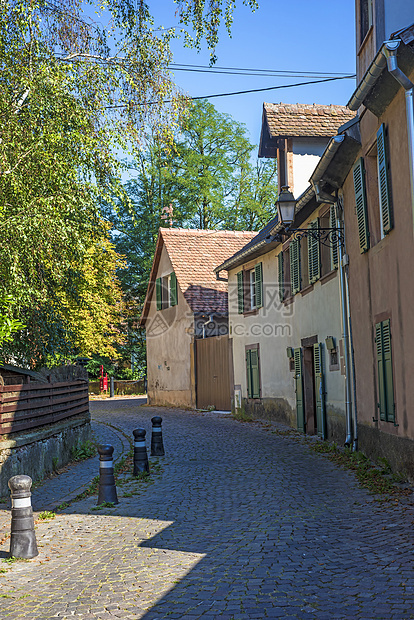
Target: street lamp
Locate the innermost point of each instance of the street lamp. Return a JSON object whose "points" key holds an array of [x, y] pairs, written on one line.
{"points": [[286, 205]]}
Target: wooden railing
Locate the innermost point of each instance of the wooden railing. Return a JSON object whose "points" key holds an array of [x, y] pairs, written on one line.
{"points": [[28, 406]]}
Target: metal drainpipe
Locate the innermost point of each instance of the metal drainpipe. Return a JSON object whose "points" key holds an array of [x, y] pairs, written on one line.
{"points": [[390, 53], [345, 325]]}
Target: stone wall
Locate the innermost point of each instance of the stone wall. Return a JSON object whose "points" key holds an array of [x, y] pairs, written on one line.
{"points": [[39, 452]]}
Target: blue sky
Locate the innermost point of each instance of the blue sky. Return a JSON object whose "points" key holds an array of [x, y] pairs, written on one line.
{"points": [[300, 35]]}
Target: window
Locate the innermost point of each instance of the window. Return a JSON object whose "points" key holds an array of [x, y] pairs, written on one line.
{"points": [[253, 371], [250, 289], [366, 18], [166, 291], [384, 370], [371, 177], [283, 263]]}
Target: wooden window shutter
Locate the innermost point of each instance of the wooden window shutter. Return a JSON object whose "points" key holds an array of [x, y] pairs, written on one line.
{"points": [[388, 374], [361, 205], [173, 290], [334, 246], [314, 255], [281, 276], [258, 279], [249, 373], [295, 265], [319, 389], [383, 182], [300, 409], [240, 293], [158, 293], [380, 372], [254, 365]]}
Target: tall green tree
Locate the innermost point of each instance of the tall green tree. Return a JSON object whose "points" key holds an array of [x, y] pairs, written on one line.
{"points": [[73, 93]]}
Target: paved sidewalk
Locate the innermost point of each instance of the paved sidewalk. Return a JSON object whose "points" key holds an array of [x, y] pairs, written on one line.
{"points": [[72, 480], [241, 523]]}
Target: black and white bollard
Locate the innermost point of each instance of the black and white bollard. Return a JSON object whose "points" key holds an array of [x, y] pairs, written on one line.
{"points": [[23, 538], [107, 488], [140, 451], [157, 446]]}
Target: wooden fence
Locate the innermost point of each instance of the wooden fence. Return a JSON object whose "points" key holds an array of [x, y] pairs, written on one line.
{"points": [[28, 406]]}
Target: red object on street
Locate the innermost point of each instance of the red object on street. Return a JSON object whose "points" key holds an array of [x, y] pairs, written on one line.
{"points": [[103, 381]]}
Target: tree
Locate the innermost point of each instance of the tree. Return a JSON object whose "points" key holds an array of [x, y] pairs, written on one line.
{"points": [[73, 93], [211, 177]]}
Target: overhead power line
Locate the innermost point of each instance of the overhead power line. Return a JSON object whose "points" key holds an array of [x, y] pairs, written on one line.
{"points": [[263, 72], [230, 94]]}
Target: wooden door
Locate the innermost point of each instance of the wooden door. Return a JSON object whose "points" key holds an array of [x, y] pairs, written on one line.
{"points": [[213, 373]]}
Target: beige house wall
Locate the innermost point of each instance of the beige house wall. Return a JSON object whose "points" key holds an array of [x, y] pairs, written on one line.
{"points": [[170, 358], [381, 287], [314, 312]]}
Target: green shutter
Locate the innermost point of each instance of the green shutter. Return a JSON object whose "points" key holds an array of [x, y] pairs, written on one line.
{"points": [[254, 365], [334, 246], [173, 290], [385, 374], [319, 390], [314, 255], [258, 279], [158, 293], [295, 275], [388, 374], [300, 409], [240, 291], [281, 276], [249, 373], [361, 205], [383, 182]]}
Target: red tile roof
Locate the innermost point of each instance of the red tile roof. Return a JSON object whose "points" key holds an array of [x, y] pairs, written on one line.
{"points": [[305, 120], [194, 254]]}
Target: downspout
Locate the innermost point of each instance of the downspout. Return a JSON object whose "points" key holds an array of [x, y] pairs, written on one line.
{"points": [[342, 265], [324, 197], [390, 52]]}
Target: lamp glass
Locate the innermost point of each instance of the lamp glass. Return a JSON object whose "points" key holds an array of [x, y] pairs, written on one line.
{"points": [[286, 206]]}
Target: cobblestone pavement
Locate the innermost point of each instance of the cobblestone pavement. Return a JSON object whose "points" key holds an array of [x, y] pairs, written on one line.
{"points": [[240, 522]]}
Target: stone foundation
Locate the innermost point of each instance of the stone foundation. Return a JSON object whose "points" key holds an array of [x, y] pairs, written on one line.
{"points": [[42, 451], [399, 451]]}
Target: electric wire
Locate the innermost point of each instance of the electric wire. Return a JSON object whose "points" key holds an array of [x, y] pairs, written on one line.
{"points": [[229, 94]]}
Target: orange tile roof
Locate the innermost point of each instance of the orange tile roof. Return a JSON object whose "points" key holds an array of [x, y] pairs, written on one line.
{"points": [[305, 120], [194, 255]]}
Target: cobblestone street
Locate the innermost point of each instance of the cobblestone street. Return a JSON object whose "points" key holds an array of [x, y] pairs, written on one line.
{"points": [[240, 522]]}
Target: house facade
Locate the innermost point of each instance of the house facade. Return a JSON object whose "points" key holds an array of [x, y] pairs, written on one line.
{"points": [[184, 303], [368, 170], [284, 295]]}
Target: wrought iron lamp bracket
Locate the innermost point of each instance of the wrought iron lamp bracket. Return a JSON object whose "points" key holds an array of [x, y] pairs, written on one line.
{"points": [[330, 237]]}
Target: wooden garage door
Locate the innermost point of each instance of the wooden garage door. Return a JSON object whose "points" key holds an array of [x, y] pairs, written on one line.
{"points": [[213, 373]]}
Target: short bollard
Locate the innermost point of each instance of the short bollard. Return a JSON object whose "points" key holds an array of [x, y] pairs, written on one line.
{"points": [[140, 451], [157, 446], [23, 538], [107, 488]]}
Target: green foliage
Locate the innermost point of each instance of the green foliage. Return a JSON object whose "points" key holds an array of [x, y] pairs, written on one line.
{"points": [[104, 505], [83, 451], [8, 324], [47, 515]]}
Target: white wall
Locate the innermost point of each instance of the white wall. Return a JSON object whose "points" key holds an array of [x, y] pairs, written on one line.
{"points": [[306, 155]]}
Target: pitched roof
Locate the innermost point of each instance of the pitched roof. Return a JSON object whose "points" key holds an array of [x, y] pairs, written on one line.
{"points": [[304, 120], [194, 254]]}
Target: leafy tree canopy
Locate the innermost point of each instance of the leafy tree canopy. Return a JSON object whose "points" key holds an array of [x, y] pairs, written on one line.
{"points": [[73, 94]]}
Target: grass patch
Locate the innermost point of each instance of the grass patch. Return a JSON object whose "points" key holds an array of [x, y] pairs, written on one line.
{"points": [[83, 451], [46, 515], [375, 479], [104, 505]]}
